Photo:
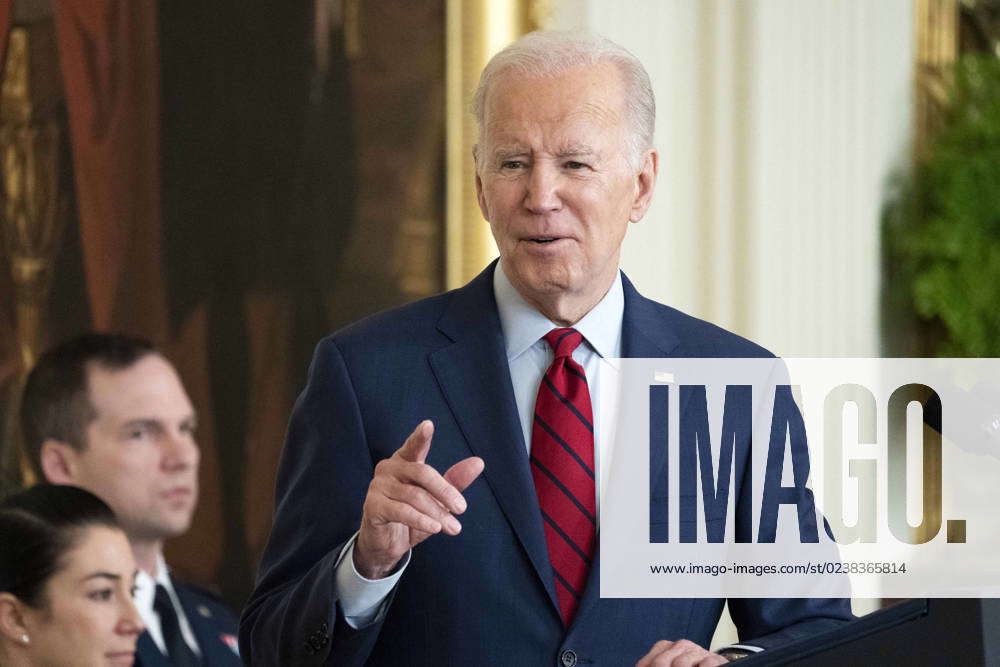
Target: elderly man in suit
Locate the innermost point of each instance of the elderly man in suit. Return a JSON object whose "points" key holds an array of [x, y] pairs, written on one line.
{"points": [[109, 414], [387, 548]]}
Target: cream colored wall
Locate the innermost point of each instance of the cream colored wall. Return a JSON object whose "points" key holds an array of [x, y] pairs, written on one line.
{"points": [[778, 124]]}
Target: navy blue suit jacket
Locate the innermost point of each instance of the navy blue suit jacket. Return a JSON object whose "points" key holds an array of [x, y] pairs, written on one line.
{"points": [[214, 628], [485, 596]]}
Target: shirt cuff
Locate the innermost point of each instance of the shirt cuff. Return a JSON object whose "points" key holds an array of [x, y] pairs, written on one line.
{"points": [[363, 600], [745, 647]]}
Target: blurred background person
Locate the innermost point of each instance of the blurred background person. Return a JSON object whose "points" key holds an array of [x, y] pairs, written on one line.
{"points": [[108, 413], [66, 580]]}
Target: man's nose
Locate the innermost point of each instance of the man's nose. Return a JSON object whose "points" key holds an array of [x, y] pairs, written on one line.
{"points": [[542, 195], [182, 451]]}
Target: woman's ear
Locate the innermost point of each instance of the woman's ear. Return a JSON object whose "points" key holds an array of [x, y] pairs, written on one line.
{"points": [[13, 626]]}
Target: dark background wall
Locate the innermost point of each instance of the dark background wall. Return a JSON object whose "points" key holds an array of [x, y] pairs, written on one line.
{"points": [[301, 149]]}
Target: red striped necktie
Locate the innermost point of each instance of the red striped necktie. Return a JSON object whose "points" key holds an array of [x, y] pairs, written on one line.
{"points": [[562, 465]]}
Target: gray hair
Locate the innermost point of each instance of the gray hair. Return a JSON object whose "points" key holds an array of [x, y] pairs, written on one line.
{"points": [[547, 53]]}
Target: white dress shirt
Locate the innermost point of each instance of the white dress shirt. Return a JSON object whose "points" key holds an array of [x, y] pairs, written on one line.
{"points": [[145, 594], [528, 356]]}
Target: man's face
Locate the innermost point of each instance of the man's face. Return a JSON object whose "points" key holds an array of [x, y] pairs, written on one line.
{"points": [[140, 454], [554, 180]]}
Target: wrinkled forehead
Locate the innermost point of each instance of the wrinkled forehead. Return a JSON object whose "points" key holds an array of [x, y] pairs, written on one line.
{"points": [[582, 99]]}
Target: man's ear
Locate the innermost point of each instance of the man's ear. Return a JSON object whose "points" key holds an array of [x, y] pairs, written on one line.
{"points": [[645, 183], [12, 621], [58, 461], [479, 183], [480, 198]]}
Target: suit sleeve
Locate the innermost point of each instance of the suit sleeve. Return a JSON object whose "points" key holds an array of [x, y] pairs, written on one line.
{"points": [[770, 622], [293, 616]]}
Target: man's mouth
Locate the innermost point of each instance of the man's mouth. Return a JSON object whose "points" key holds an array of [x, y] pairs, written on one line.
{"points": [[544, 239], [178, 493]]}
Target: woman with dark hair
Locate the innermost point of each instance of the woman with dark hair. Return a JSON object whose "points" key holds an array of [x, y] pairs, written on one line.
{"points": [[66, 577]]}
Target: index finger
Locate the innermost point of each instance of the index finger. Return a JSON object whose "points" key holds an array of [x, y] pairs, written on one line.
{"points": [[434, 483], [417, 445]]}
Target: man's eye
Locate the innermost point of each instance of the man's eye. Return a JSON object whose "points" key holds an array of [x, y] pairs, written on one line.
{"points": [[511, 164], [573, 164], [137, 433], [102, 595]]}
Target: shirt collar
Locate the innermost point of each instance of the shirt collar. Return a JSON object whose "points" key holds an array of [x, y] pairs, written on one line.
{"points": [[145, 585], [162, 573], [523, 325]]}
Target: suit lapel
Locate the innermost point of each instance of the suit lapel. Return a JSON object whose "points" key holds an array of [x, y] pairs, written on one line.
{"points": [[475, 378], [646, 334], [206, 632], [147, 653]]}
